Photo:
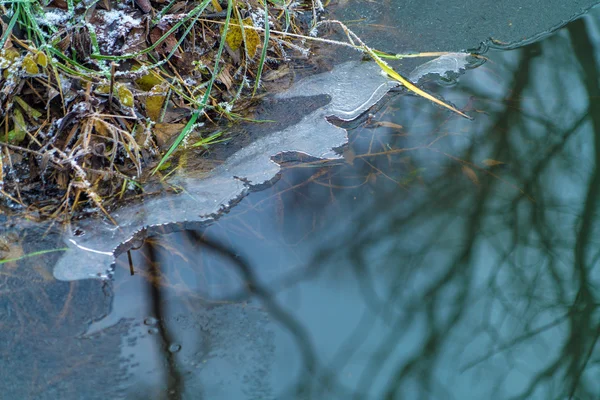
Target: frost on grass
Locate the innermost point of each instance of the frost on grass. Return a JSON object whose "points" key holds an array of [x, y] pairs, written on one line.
{"points": [[113, 25], [53, 18], [135, 64], [99, 242]]}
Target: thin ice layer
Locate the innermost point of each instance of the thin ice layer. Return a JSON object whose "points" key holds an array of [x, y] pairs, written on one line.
{"points": [[444, 66], [93, 244]]}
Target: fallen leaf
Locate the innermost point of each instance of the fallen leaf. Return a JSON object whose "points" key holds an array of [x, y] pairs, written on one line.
{"points": [[491, 163], [30, 66], [275, 74], [154, 104], [103, 89], [165, 133], [32, 112], [235, 37], [168, 44], [125, 96], [470, 174], [252, 38], [10, 248], [144, 5], [349, 156], [226, 78], [148, 81], [387, 124], [101, 129], [19, 131], [41, 59]]}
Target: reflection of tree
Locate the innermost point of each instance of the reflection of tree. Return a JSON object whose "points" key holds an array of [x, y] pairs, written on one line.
{"points": [[531, 279], [538, 256], [479, 279], [173, 375], [161, 279]]}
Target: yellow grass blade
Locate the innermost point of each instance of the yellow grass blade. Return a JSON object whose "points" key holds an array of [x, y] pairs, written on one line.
{"points": [[393, 74]]}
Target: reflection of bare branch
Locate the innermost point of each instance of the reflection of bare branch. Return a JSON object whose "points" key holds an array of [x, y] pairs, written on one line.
{"points": [[275, 310], [515, 341], [452, 278], [173, 376]]}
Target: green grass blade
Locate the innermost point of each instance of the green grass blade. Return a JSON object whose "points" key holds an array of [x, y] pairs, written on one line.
{"points": [[9, 29], [35, 253], [212, 139], [186, 130], [163, 12], [188, 127]]}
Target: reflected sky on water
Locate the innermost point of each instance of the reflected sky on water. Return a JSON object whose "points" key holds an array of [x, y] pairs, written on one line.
{"points": [[444, 258], [441, 259]]}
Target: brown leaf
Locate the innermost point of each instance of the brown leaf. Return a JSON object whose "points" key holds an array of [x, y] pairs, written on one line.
{"points": [[469, 173], [10, 247], [226, 78], [144, 5], [185, 63], [165, 133], [167, 45], [491, 163], [62, 4], [387, 124]]}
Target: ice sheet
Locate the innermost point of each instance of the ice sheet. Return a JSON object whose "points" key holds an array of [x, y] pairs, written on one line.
{"points": [[94, 243]]}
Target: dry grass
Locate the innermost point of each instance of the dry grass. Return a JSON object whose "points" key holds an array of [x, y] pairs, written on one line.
{"points": [[95, 97]]}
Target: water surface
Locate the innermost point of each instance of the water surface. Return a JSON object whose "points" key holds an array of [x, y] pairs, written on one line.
{"points": [[440, 259]]}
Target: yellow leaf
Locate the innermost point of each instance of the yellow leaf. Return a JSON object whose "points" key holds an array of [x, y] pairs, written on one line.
{"points": [[154, 105], [165, 165], [41, 59], [125, 96], [235, 37], [101, 128], [103, 89], [252, 39], [217, 6], [11, 54], [148, 81], [30, 66]]}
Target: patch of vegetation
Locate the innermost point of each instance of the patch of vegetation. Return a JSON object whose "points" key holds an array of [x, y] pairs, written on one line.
{"points": [[96, 95]]}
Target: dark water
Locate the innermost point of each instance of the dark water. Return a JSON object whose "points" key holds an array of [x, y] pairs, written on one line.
{"points": [[442, 259]]}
